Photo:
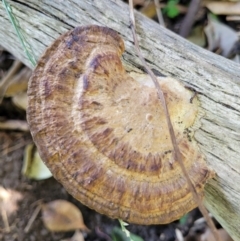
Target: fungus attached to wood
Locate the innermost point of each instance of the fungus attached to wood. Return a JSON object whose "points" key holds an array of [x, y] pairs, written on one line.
{"points": [[103, 134]]}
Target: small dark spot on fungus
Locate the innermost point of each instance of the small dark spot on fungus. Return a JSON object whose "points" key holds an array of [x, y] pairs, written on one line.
{"points": [[89, 143], [167, 152], [75, 38], [129, 130], [47, 88], [69, 43], [85, 82], [74, 175]]}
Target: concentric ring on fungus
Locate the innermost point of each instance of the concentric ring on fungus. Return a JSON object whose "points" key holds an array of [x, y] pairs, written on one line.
{"points": [[104, 134]]}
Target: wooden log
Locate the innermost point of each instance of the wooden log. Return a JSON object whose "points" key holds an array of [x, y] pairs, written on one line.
{"points": [[216, 79]]}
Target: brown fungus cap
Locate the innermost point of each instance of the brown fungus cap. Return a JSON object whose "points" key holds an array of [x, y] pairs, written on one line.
{"points": [[104, 134]]}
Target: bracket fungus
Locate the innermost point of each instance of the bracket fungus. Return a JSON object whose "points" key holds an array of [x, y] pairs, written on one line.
{"points": [[104, 135]]}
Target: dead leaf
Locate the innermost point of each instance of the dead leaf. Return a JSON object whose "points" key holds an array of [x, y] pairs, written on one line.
{"points": [[62, 216], [20, 100], [149, 10], [224, 8], [197, 36], [18, 82], [33, 166], [220, 36]]}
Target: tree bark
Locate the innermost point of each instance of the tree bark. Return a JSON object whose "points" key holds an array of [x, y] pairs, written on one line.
{"points": [[215, 79]]}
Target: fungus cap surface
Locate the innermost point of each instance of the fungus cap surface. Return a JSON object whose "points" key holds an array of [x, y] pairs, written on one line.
{"points": [[104, 135]]}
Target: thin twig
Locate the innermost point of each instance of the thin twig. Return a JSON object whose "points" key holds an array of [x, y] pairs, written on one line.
{"points": [[20, 125], [5, 220], [7, 80], [13, 148], [101, 234], [177, 154], [159, 13], [32, 219], [189, 18]]}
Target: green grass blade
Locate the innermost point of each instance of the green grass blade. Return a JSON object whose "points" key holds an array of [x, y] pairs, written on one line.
{"points": [[26, 46]]}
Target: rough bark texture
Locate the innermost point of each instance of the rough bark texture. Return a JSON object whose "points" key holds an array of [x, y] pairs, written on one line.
{"points": [[217, 80]]}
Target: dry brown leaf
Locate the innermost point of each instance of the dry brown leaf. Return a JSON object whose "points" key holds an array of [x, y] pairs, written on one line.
{"points": [[149, 10], [197, 36], [224, 8], [18, 82], [62, 216]]}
